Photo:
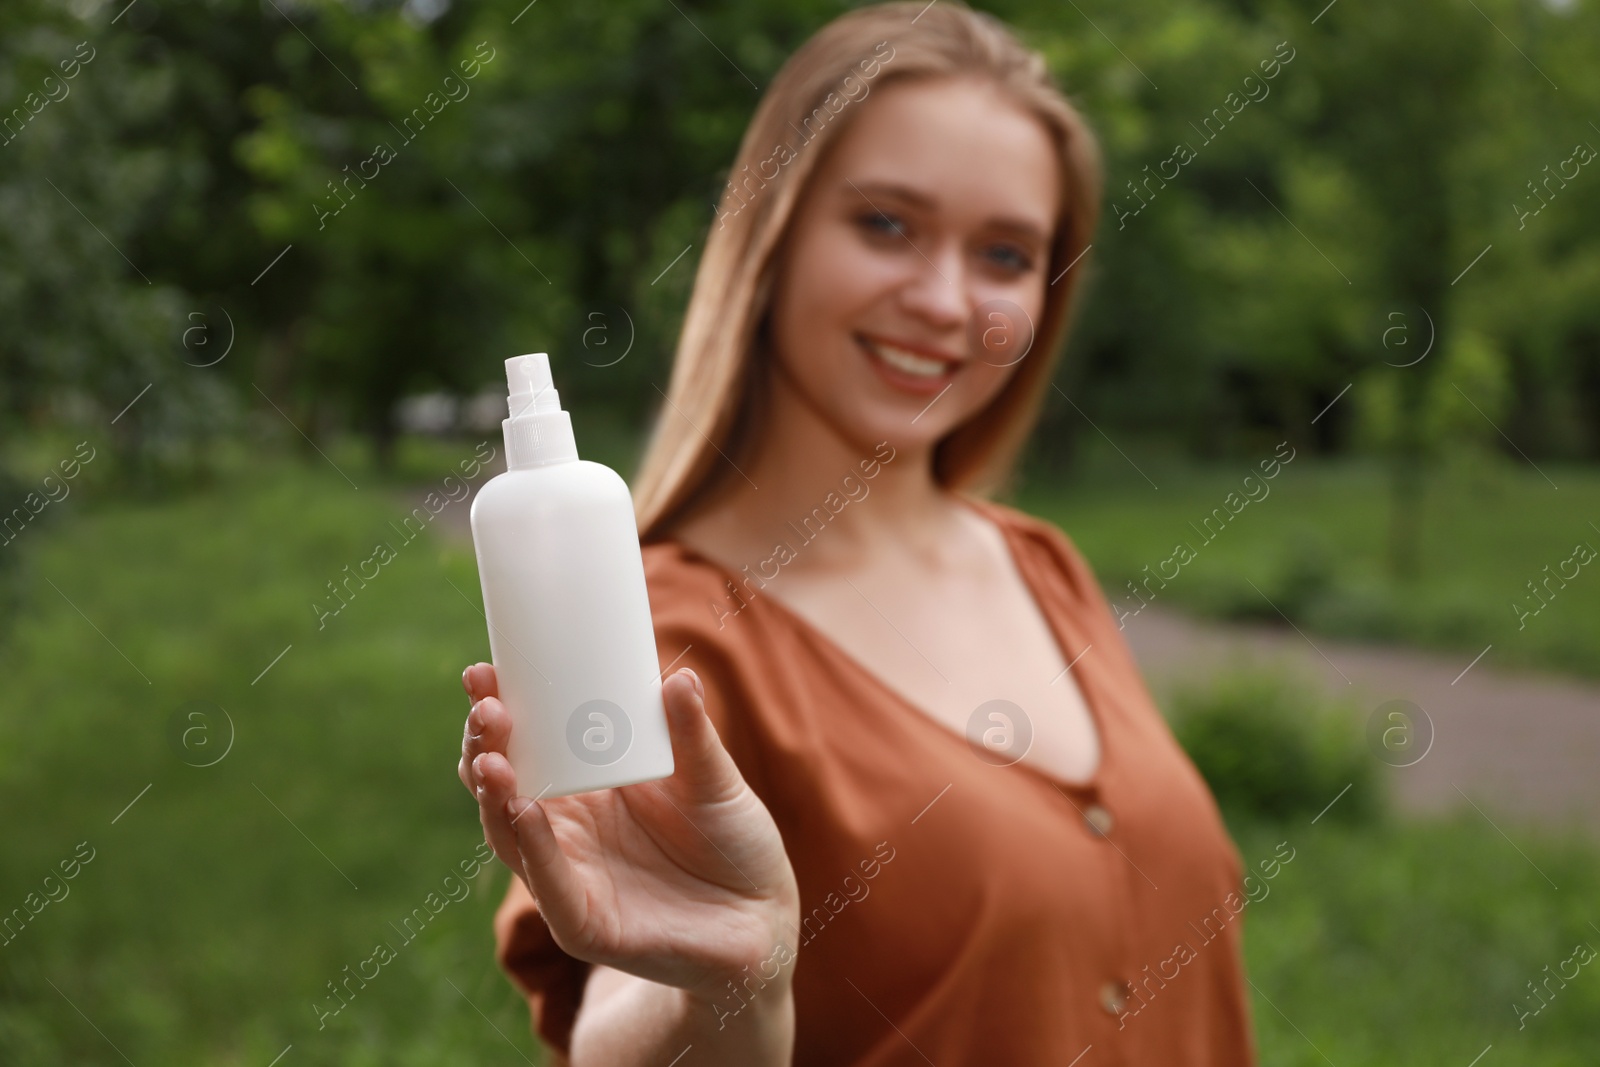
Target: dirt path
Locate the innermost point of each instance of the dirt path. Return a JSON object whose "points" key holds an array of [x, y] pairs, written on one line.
{"points": [[1524, 747]]}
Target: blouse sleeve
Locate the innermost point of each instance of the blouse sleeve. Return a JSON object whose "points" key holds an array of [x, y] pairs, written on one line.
{"points": [[550, 980], [723, 650]]}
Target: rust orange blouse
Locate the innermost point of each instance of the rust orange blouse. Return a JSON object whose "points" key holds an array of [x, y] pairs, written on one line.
{"points": [[955, 911]]}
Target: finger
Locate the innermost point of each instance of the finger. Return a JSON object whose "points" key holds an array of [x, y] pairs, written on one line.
{"points": [[701, 765], [548, 873], [464, 764], [488, 729], [498, 784], [480, 680]]}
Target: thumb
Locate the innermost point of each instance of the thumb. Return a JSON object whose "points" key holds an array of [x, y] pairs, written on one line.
{"points": [[703, 770]]}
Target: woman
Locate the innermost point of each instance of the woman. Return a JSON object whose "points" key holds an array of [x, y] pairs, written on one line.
{"points": [[924, 809]]}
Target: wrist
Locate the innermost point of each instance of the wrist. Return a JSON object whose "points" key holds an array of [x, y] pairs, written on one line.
{"points": [[763, 988], [749, 1024]]}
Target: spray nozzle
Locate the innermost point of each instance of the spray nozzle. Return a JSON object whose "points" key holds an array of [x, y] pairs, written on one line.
{"points": [[538, 432], [532, 389]]}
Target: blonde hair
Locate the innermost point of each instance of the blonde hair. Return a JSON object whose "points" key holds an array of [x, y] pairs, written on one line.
{"points": [[719, 373]]}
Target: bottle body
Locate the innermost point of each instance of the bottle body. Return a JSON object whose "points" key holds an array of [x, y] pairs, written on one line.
{"points": [[570, 631]]}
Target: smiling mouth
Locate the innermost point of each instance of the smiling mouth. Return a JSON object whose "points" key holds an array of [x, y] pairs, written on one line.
{"points": [[916, 365]]}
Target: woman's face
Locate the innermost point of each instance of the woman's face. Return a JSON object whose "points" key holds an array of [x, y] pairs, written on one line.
{"points": [[916, 261]]}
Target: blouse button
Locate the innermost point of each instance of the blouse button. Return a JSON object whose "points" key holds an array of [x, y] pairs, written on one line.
{"points": [[1098, 818], [1112, 997]]}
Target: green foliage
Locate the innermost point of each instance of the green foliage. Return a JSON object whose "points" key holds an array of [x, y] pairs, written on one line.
{"points": [[1245, 293], [1458, 410], [1270, 749], [91, 321], [1384, 157], [1471, 392]]}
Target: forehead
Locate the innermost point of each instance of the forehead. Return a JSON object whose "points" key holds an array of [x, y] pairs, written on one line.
{"points": [[963, 144]]}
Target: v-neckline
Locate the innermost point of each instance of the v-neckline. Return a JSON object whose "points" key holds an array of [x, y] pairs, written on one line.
{"points": [[821, 638]]}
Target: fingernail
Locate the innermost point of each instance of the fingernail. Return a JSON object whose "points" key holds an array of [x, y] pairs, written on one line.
{"points": [[698, 687]]}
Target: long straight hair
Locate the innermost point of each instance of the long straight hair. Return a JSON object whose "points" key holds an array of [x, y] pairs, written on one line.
{"points": [[712, 415]]}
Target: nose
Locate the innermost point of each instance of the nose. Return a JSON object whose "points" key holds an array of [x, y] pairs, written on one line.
{"points": [[937, 291]]}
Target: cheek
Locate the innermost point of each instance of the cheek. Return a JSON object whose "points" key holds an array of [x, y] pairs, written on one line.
{"points": [[1003, 330], [989, 372], [827, 282]]}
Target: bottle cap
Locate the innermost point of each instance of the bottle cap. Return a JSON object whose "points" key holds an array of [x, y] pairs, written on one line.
{"points": [[538, 432]]}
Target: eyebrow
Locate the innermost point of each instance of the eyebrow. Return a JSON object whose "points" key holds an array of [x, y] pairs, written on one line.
{"points": [[874, 189]]}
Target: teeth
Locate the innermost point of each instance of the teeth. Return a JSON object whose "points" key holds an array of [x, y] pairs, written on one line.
{"points": [[908, 362]]}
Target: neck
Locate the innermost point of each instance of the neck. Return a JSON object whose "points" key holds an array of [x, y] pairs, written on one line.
{"points": [[803, 464]]}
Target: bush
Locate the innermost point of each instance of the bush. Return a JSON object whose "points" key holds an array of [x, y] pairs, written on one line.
{"points": [[1268, 749]]}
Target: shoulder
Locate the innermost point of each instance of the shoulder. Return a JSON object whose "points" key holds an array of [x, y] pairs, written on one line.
{"points": [[1015, 519], [698, 599], [677, 575], [1041, 539], [1049, 556]]}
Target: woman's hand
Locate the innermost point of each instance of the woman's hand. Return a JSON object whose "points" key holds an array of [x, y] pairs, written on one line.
{"points": [[682, 881]]}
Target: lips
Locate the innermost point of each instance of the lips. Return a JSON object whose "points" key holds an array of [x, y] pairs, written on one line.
{"points": [[911, 369]]}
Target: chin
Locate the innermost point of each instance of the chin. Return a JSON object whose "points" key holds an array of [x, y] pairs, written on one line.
{"points": [[884, 423]]}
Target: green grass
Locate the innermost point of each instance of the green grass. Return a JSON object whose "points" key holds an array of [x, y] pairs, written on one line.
{"points": [[1317, 547], [207, 924], [1411, 944]]}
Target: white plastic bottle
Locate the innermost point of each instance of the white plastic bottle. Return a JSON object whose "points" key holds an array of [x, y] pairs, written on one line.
{"points": [[569, 615]]}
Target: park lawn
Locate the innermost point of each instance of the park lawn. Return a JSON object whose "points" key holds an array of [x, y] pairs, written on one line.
{"points": [[1316, 549], [1412, 944], [219, 905], [217, 908]]}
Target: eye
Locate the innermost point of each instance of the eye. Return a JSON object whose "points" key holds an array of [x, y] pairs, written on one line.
{"points": [[1009, 258], [882, 224]]}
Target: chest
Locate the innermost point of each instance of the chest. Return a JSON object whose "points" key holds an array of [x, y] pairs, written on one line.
{"points": [[974, 652]]}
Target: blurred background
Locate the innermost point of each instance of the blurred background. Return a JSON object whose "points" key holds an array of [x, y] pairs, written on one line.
{"points": [[261, 262]]}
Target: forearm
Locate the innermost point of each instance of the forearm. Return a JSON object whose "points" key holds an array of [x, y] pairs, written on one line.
{"points": [[627, 1020]]}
